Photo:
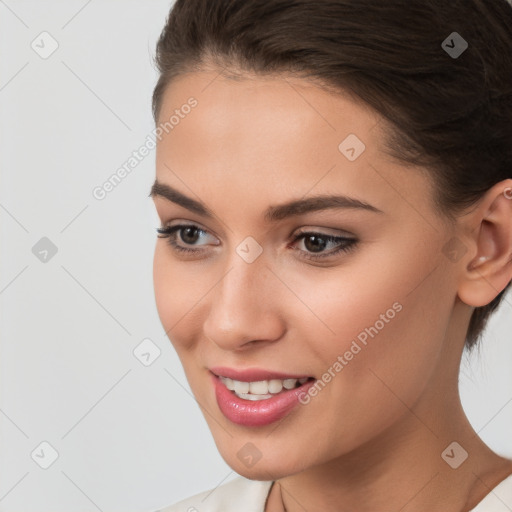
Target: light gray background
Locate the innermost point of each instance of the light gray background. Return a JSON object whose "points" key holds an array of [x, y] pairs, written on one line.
{"points": [[129, 437]]}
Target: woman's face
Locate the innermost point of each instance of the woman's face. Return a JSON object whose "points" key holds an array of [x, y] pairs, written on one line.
{"points": [[370, 323]]}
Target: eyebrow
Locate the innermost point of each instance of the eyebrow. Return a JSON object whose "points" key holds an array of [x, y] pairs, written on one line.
{"points": [[273, 213]]}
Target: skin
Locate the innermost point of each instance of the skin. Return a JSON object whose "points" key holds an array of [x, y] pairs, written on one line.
{"points": [[372, 438]]}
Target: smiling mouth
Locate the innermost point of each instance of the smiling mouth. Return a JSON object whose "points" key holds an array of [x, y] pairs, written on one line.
{"points": [[261, 398], [262, 389]]}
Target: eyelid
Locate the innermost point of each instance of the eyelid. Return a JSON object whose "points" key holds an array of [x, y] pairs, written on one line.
{"points": [[325, 231], [188, 223], [334, 232], [178, 226]]}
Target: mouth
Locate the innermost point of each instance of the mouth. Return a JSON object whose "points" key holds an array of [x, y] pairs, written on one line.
{"points": [[256, 397], [262, 389]]}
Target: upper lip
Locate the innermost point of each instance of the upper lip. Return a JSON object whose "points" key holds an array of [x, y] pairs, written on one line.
{"points": [[253, 374]]}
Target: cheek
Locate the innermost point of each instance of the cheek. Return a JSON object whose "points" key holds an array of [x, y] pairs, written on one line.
{"points": [[398, 360], [388, 344], [379, 320], [338, 305], [178, 293]]}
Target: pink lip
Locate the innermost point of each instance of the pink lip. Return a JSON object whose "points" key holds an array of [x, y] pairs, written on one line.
{"points": [[253, 374], [256, 413]]}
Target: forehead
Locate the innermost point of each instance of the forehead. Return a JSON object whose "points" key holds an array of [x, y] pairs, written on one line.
{"points": [[270, 103], [278, 119], [274, 136]]}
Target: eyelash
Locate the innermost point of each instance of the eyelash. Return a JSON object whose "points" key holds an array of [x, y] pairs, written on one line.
{"points": [[170, 232]]}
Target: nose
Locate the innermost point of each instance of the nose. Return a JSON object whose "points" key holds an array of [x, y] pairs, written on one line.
{"points": [[245, 307]]}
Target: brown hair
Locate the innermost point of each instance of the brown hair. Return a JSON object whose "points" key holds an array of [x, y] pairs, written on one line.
{"points": [[450, 114]]}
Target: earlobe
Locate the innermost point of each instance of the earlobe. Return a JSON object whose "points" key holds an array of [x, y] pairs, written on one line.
{"points": [[490, 270]]}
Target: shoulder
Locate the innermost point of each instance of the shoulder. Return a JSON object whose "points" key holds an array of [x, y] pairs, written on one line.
{"points": [[234, 496]]}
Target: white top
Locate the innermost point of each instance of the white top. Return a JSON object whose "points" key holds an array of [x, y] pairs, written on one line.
{"points": [[243, 495]]}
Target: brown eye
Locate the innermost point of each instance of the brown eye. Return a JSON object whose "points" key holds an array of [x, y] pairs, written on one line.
{"points": [[189, 234], [315, 243]]}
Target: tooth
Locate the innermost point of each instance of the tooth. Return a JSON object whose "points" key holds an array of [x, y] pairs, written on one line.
{"points": [[289, 383], [275, 386], [248, 396], [241, 387], [258, 388], [225, 381], [261, 388]]}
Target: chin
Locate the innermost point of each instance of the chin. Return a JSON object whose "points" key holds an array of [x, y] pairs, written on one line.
{"points": [[263, 469], [263, 472]]}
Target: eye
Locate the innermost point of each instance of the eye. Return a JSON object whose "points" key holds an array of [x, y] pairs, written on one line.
{"points": [[315, 243], [189, 234]]}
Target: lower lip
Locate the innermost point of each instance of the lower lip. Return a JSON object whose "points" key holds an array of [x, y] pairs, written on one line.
{"points": [[258, 413]]}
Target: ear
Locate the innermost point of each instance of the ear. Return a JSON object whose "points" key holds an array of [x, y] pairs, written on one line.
{"points": [[490, 269]]}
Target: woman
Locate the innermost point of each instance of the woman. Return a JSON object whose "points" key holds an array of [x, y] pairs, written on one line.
{"points": [[334, 185]]}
